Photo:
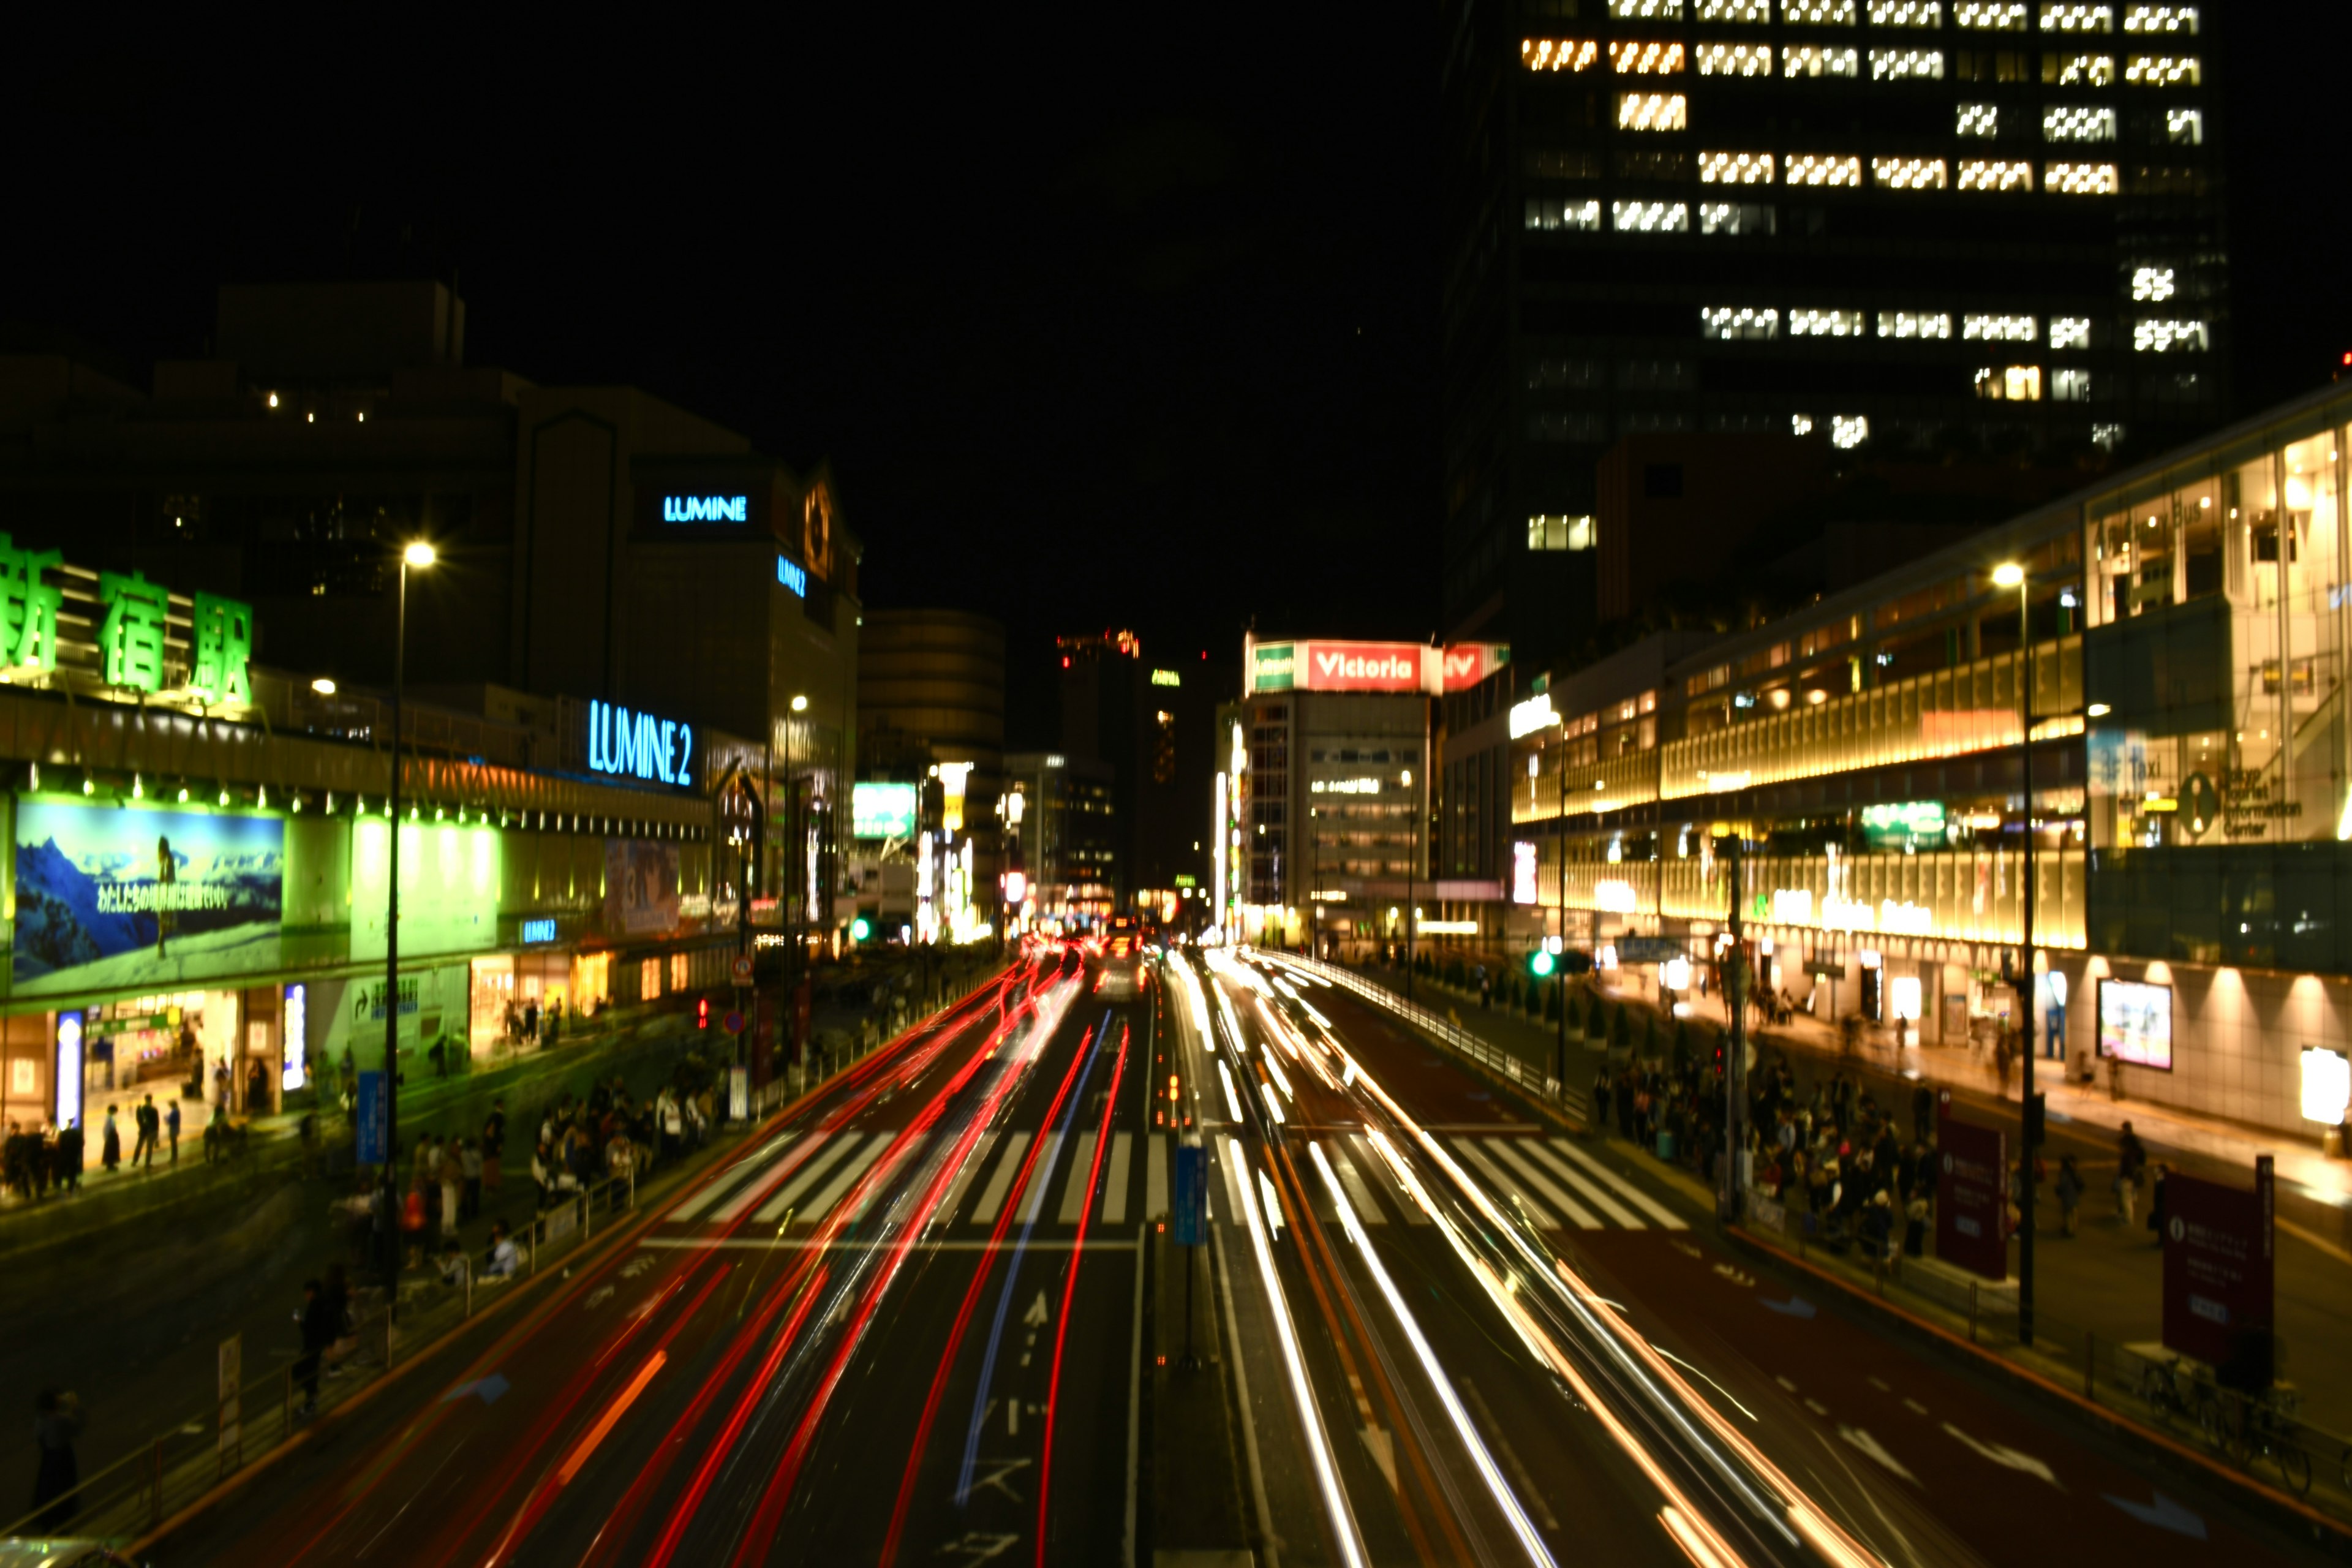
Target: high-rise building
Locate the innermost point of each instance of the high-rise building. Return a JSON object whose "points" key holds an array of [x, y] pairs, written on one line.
{"points": [[1911, 226]]}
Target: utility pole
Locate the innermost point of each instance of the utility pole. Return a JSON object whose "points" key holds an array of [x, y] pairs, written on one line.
{"points": [[1735, 1062], [1559, 903]]}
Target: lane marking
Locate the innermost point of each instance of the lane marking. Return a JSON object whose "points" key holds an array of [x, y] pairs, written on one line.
{"points": [[1122, 1155], [1233, 1189], [1359, 1192], [1008, 1165], [796, 1157], [1541, 1216], [1633, 1195], [1876, 1450], [874, 1189], [743, 1168], [1155, 1177], [1407, 1204], [972, 1165], [1082, 1168], [812, 1170], [2007, 1458], [1546, 1188], [1601, 1199], [1033, 1201]]}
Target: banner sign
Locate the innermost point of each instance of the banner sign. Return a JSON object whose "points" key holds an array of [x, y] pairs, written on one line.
{"points": [[1972, 1198], [1397, 667], [1191, 1208], [124, 896], [2135, 1023], [2219, 1283], [879, 810], [640, 887], [369, 1112]]}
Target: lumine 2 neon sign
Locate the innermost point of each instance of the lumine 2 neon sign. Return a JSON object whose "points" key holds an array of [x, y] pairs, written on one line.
{"points": [[706, 509], [639, 746]]}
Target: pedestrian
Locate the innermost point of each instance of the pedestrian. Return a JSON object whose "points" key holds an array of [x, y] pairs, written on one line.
{"points": [[2156, 1201], [148, 1125], [220, 1084], [57, 1421], [494, 1143], [171, 1127], [321, 1329], [505, 1258], [110, 1147], [469, 1161], [2131, 1159], [530, 1019], [452, 1174], [2070, 1192], [69, 1157]]}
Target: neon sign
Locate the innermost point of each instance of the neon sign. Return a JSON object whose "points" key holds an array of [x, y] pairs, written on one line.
{"points": [[793, 575], [1166, 678], [639, 746], [706, 509], [539, 930]]}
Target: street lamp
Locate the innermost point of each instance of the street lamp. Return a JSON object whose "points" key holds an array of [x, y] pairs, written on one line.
{"points": [[2011, 574], [417, 556]]}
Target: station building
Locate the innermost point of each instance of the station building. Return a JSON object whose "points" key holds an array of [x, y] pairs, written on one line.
{"points": [[2181, 665]]}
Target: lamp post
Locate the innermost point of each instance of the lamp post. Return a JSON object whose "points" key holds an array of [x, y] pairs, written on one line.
{"points": [[2011, 574], [418, 555], [793, 847]]}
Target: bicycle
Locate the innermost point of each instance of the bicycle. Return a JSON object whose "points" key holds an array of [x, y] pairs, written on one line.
{"points": [[2250, 1430]]}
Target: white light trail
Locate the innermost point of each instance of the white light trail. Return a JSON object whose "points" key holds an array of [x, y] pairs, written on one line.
{"points": [[1310, 1415], [1232, 1101]]}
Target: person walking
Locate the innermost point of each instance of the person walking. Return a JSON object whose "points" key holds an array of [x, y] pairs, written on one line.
{"points": [[70, 1156], [171, 1127], [148, 1126], [57, 1421], [453, 1184], [2156, 1201], [2070, 1192], [2131, 1159], [321, 1325], [494, 1143], [110, 1146]]}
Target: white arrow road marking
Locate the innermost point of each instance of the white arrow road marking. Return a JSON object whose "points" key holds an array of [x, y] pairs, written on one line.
{"points": [[1035, 1316], [599, 1296], [1876, 1450], [1687, 1250], [1728, 1272], [978, 1546], [996, 1477], [1382, 1445], [2164, 1513], [637, 1266], [2007, 1458]]}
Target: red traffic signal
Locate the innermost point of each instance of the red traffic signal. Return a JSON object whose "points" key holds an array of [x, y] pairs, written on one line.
{"points": [[702, 1014]]}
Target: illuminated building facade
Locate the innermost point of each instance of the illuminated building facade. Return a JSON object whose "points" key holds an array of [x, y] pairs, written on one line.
{"points": [[2191, 811], [1900, 225]]}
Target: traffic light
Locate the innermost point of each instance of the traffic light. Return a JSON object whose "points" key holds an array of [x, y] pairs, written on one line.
{"points": [[1541, 964], [860, 929], [702, 1014]]}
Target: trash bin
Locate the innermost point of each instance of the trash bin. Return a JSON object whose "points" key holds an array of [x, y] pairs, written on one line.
{"points": [[1666, 1145]]}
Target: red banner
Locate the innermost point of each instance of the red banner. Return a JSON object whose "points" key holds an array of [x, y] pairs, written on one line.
{"points": [[1467, 664], [1364, 666], [2219, 1284], [1972, 1197]]}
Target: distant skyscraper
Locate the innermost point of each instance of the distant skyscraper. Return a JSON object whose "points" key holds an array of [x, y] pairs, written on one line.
{"points": [[1914, 226]]}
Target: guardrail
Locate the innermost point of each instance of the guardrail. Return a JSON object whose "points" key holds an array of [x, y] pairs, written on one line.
{"points": [[2262, 1437], [134, 1495], [1447, 1033]]}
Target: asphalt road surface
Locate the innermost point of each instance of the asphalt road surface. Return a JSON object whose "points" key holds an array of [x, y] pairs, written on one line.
{"points": [[906, 1322]]}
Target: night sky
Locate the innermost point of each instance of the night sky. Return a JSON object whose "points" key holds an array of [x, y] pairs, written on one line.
{"points": [[1122, 316]]}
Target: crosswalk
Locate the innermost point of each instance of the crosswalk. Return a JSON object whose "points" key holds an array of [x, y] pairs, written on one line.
{"points": [[804, 1179]]}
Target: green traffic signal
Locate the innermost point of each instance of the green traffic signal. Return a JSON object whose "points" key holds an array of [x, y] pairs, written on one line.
{"points": [[1539, 965], [859, 930]]}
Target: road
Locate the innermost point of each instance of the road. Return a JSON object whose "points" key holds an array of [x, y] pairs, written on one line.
{"points": [[911, 1322]]}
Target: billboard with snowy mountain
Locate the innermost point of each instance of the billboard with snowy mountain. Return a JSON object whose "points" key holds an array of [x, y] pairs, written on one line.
{"points": [[112, 895]]}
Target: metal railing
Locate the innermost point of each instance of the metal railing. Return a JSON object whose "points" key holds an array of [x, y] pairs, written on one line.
{"points": [[1446, 1032], [2263, 1436], [134, 1496]]}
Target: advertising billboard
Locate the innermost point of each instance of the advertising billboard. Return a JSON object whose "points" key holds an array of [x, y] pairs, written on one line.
{"points": [[1972, 1198], [119, 895], [882, 810], [2135, 1023], [1467, 664], [450, 886], [2219, 1279], [1396, 666], [1364, 666], [640, 887]]}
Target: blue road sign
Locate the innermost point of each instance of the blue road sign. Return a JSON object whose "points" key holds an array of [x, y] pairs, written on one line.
{"points": [[370, 1116], [1192, 1213]]}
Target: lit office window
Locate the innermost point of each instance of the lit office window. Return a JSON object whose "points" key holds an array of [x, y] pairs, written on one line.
{"points": [[1993, 15], [1979, 119], [2069, 332], [1997, 329], [1649, 217], [1736, 217], [1552, 214], [2077, 123], [2161, 19], [1559, 54], [1735, 59], [1801, 423], [1908, 174], [1906, 64], [1646, 10], [1756, 11], [2010, 384], [2186, 126], [1651, 112], [1848, 430], [2152, 283], [2080, 179], [2070, 386], [1826, 324], [1816, 13], [2078, 19], [2106, 438], [1914, 324], [1822, 169], [1738, 321], [1812, 61], [1996, 175], [2163, 70], [2151, 336], [1550, 532], [1632, 57], [1735, 168], [1905, 13], [2078, 70]]}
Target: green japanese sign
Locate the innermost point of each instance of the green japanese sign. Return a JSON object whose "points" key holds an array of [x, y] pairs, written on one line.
{"points": [[28, 607], [224, 642], [131, 643]]}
